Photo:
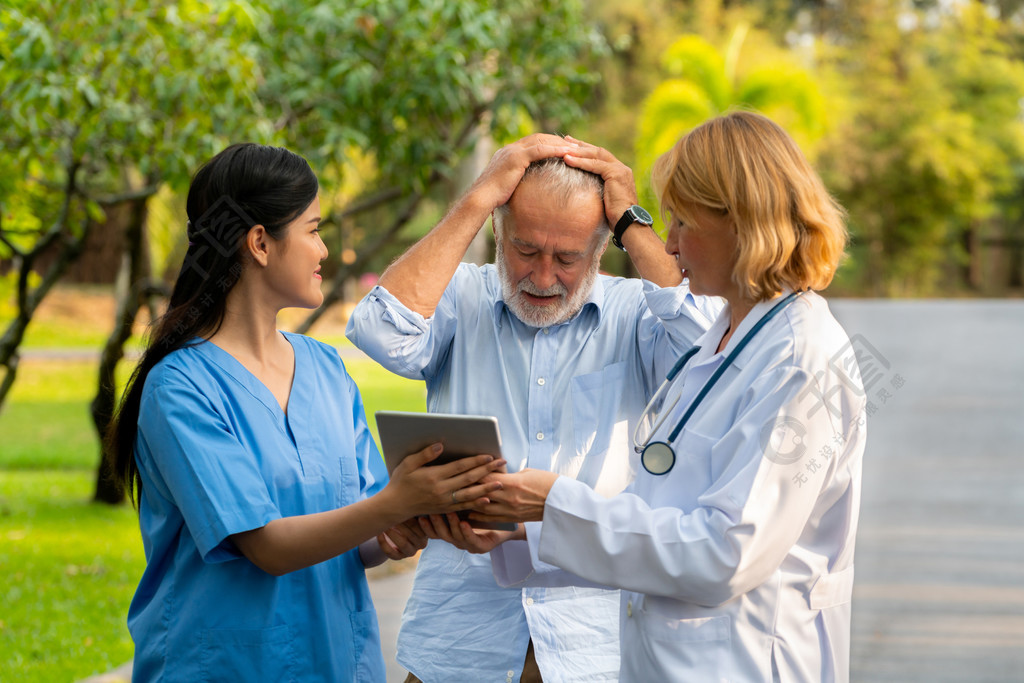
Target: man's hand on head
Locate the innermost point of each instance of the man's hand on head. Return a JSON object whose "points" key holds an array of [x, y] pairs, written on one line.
{"points": [[619, 186], [501, 177]]}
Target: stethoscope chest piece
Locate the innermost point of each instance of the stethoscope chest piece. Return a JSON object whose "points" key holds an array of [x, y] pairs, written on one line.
{"points": [[658, 457]]}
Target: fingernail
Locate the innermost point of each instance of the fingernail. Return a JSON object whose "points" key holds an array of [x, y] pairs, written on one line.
{"points": [[436, 448]]}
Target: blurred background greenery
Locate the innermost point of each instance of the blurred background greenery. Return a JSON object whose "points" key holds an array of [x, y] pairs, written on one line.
{"points": [[910, 109]]}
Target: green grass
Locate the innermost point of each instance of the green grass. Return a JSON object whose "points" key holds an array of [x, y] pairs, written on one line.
{"points": [[382, 390], [55, 334], [69, 567], [46, 423]]}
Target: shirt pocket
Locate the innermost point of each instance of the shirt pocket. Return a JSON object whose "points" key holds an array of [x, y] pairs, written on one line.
{"points": [[366, 646], [701, 630], [596, 398], [689, 477], [247, 654]]}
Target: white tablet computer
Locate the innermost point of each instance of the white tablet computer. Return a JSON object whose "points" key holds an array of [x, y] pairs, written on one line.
{"points": [[403, 433]]}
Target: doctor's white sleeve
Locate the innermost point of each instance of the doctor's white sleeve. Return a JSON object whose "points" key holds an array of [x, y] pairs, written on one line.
{"points": [[737, 535], [515, 563]]}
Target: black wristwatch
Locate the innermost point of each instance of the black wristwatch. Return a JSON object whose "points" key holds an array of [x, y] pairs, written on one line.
{"points": [[634, 214]]}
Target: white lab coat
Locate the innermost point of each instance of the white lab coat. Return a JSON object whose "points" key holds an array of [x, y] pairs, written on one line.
{"points": [[737, 565]]}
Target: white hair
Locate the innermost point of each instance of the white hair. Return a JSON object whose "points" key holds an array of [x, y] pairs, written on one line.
{"points": [[565, 182]]}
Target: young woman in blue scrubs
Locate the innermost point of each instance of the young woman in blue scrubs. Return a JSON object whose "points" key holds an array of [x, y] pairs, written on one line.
{"points": [[261, 494]]}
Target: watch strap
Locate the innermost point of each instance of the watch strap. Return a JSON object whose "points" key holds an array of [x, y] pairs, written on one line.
{"points": [[628, 218]]}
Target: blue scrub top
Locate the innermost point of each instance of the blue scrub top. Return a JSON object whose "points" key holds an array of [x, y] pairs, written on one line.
{"points": [[217, 457]]}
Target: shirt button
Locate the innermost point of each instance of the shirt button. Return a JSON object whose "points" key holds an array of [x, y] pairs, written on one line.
{"points": [[629, 608], [540, 436], [547, 331], [540, 381], [529, 601]]}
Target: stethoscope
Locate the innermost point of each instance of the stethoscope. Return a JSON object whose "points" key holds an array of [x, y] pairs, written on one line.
{"points": [[658, 457]]}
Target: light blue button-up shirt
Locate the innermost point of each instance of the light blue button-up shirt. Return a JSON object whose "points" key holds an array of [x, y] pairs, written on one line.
{"points": [[567, 398]]}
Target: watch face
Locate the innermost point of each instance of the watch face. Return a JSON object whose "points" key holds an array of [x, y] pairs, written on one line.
{"points": [[641, 215]]}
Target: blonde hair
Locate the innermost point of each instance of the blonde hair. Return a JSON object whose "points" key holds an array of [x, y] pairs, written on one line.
{"points": [[791, 233]]}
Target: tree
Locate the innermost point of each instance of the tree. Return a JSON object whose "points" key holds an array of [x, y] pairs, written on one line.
{"points": [[387, 98], [383, 98], [929, 140], [704, 82], [106, 106]]}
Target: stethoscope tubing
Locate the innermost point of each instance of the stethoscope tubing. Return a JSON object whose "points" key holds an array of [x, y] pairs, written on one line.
{"points": [[705, 390]]}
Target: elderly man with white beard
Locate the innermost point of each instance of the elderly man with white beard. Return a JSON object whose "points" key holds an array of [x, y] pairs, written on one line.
{"points": [[564, 357]]}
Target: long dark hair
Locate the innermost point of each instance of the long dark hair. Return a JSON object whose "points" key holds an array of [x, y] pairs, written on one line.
{"points": [[243, 186]]}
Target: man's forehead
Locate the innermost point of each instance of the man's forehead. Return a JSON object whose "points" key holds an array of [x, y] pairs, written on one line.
{"points": [[536, 188], [537, 215]]}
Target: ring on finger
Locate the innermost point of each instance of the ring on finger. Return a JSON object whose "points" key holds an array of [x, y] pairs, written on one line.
{"points": [[454, 502]]}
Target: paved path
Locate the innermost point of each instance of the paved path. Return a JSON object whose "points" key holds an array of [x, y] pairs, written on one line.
{"points": [[389, 596], [939, 594]]}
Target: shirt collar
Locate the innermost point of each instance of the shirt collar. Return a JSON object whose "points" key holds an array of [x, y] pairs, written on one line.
{"points": [[710, 339]]}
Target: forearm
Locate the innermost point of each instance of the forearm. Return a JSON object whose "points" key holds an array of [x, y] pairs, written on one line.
{"points": [[290, 543], [419, 277], [647, 252]]}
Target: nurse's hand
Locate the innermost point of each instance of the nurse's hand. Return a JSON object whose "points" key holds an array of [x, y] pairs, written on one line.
{"points": [[452, 487], [520, 499], [460, 534], [402, 540]]}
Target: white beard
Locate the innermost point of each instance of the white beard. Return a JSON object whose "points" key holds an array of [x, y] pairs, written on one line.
{"points": [[550, 314]]}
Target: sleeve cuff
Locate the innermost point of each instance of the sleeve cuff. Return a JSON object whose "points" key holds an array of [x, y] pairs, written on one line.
{"points": [[511, 564], [398, 314], [371, 553]]}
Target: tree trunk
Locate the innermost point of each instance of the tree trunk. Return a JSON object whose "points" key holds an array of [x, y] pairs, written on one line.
{"points": [[132, 289], [337, 291], [970, 271], [30, 299], [465, 175]]}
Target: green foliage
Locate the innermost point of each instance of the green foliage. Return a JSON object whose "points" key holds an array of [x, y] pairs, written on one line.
{"points": [[112, 86], [704, 82], [140, 93], [402, 80], [930, 138]]}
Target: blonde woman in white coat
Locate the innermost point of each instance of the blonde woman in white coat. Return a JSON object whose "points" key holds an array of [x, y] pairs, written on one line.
{"points": [[734, 546]]}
